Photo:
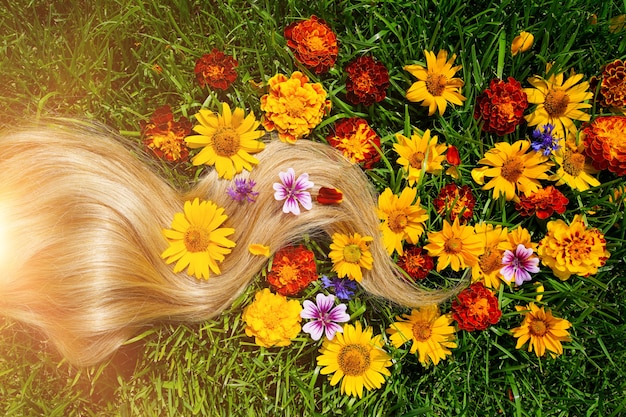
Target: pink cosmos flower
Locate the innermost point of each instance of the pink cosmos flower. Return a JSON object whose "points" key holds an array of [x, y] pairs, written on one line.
{"points": [[293, 191], [324, 315], [519, 265]]}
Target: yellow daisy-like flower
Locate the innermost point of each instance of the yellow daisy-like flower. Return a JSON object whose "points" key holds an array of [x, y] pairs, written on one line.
{"points": [[432, 335], [356, 358], [558, 103], [487, 269], [197, 240], [293, 106], [512, 169], [272, 319], [575, 169], [350, 254], [517, 236], [419, 154], [402, 220], [227, 140], [573, 249], [542, 330], [436, 85], [456, 245]]}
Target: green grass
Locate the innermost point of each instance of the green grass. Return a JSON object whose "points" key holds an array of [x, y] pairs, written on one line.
{"points": [[95, 60]]}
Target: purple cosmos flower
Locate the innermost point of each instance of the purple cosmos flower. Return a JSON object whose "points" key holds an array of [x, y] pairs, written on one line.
{"points": [[519, 265], [292, 190], [343, 288], [324, 315], [544, 141], [243, 190]]}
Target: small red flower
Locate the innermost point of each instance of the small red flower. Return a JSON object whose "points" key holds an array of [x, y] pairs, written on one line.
{"points": [[293, 268], [328, 196], [542, 203], [501, 107], [416, 263], [216, 70], [313, 43], [605, 143], [367, 81], [476, 308], [356, 140], [457, 201], [164, 136], [452, 156]]}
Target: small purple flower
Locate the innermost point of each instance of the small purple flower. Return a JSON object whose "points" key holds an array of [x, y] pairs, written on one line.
{"points": [[544, 141], [343, 288], [324, 316], [293, 191], [243, 190], [519, 265]]}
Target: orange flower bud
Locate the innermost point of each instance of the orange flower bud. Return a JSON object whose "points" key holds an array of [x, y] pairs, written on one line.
{"points": [[522, 43], [452, 156], [328, 196]]}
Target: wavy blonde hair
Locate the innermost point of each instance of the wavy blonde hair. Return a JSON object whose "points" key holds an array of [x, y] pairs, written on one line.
{"points": [[82, 219]]}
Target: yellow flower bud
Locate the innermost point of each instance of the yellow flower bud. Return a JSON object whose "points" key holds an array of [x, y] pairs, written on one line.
{"points": [[522, 43]]}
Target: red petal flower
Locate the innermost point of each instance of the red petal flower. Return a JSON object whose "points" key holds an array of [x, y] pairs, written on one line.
{"points": [[612, 81], [164, 136], [501, 107], [313, 44], [452, 156], [416, 263], [476, 308], [293, 268], [367, 81], [329, 196], [216, 70], [456, 201], [356, 140], [605, 143], [542, 203]]}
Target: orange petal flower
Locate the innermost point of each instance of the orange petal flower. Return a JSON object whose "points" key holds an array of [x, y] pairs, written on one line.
{"points": [[522, 43], [605, 143], [329, 196], [313, 44]]}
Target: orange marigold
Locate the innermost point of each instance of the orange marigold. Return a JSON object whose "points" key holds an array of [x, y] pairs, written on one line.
{"points": [[293, 268], [216, 70], [313, 43], [358, 142], [612, 92], [367, 81], [605, 143], [416, 263], [501, 107], [455, 201], [476, 308], [542, 203], [164, 136]]}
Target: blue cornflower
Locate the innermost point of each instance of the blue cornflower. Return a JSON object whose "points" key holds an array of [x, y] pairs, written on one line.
{"points": [[243, 190], [343, 288], [545, 142]]}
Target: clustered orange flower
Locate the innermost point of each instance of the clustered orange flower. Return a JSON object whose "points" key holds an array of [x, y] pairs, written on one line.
{"points": [[293, 268], [605, 143], [612, 93], [476, 308], [501, 107], [416, 262], [358, 142], [164, 136], [313, 43], [542, 203], [455, 201], [367, 81], [216, 70]]}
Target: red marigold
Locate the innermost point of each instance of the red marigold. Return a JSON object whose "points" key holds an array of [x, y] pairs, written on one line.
{"points": [[458, 201], [216, 70], [356, 140], [612, 92], [501, 107], [415, 262], [313, 43], [328, 196], [542, 203], [367, 81], [476, 308], [164, 136], [605, 144], [293, 268]]}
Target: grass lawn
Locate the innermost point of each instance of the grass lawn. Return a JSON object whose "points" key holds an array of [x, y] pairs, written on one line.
{"points": [[117, 61]]}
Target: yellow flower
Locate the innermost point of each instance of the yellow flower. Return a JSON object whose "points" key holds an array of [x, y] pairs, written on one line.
{"points": [[558, 103], [513, 169], [196, 240], [542, 330], [522, 43], [356, 358], [517, 236], [432, 334], [272, 319], [436, 85], [259, 250], [227, 140], [402, 220], [350, 254], [456, 245], [293, 106], [420, 153], [572, 249], [575, 168], [494, 240]]}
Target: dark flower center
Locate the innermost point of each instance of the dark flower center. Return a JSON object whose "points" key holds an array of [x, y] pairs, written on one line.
{"points": [[416, 159], [538, 327], [573, 162], [397, 221], [352, 253], [490, 261], [556, 103], [422, 330], [453, 245], [354, 360], [512, 169], [436, 84], [226, 142], [196, 239]]}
